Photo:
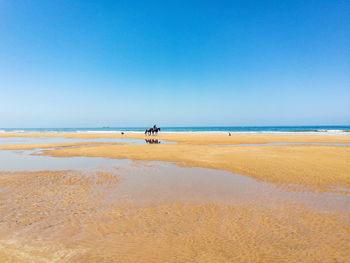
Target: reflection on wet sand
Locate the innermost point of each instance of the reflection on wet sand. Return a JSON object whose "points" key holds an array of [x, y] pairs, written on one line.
{"points": [[51, 140], [152, 141]]}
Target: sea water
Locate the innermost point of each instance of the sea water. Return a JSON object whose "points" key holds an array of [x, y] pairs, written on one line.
{"points": [[332, 130]]}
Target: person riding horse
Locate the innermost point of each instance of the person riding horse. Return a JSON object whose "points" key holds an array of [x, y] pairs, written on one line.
{"points": [[152, 131]]}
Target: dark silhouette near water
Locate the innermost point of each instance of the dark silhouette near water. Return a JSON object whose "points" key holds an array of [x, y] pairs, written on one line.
{"points": [[152, 131], [153, 141]]}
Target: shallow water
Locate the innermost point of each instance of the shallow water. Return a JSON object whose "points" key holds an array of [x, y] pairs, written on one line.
{"points": [[161, 182], [48, 140], [26, 161]]}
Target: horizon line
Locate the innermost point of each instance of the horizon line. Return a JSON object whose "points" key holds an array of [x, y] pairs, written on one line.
{"points": [[205, 126]]}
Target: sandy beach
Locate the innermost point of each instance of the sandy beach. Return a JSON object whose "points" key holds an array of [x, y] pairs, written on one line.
{"points": [[166, 205], [174, 132]]}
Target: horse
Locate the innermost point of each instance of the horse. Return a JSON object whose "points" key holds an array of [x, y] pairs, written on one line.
{"points": [[155, 131], [152, 131], [148, 131]]}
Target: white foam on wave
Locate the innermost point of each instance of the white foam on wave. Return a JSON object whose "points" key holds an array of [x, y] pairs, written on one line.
{"points": [[14, 131], [311, 132], [328, 132], [335, 130], [112, 132]]}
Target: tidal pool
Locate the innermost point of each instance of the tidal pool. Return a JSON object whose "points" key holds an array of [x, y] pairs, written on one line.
{"points": [[49, 140], [162, 182]]}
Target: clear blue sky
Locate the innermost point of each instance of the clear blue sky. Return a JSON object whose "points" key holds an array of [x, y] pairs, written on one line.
{"points": [[81, 63]]}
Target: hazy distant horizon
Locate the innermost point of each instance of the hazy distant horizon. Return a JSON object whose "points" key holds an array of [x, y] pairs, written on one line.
{"points": [[138, 126], [178, 126]]}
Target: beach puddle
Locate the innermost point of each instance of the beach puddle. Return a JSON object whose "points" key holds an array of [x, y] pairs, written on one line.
{"points": [[49, 140], [161, 183], [27, 161], [146, 183]]}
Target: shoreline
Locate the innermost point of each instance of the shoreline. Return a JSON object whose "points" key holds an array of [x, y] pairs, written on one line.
{"points": [[321, 133]]}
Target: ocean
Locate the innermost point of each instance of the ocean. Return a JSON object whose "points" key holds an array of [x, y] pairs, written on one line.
{"points": [[340, 130]]}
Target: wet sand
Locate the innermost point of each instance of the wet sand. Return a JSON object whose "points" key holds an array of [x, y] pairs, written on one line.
{"points": [[319, 167], [151, 212], [69, 216], [197, 138]]}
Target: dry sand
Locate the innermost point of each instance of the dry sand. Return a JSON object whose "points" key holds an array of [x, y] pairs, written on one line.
{"points": [[66, 216]]}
